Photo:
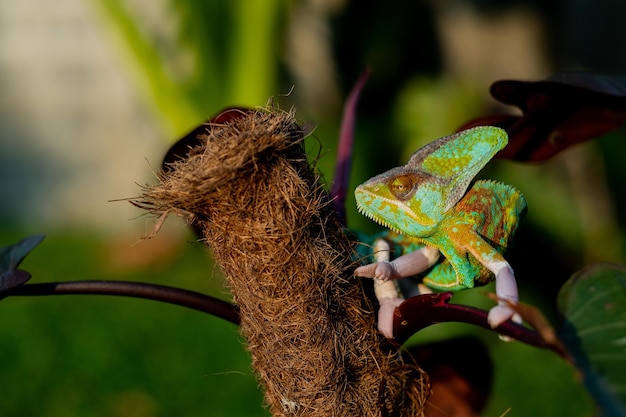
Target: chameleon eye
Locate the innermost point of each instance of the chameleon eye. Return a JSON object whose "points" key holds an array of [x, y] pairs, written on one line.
{"points": [[401, 186]]}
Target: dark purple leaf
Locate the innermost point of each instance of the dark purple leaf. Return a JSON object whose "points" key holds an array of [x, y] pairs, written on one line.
{"points": [[13, 279], [558, 112], [11, 257]]}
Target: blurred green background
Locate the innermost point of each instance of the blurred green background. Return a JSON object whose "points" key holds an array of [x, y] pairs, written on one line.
{"points": [[94, 91]]}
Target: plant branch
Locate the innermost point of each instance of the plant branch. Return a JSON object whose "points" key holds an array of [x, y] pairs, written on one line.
{"points": [[421, 311], [413, 315], [171, 295]]}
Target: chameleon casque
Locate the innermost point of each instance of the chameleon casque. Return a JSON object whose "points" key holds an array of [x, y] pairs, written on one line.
{"points": [[443, 231]]}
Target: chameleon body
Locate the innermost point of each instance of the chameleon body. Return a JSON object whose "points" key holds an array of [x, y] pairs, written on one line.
{"points": [[448, 232]]}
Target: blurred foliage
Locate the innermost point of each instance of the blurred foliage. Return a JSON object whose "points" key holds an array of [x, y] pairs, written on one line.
{"points": [[192, 58], [105, 356], [96, 356]]}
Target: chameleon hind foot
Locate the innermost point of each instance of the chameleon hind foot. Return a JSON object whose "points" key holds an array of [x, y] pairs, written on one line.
{"points": [[385, 315], [501, 313], [385, 289], [506, 290]]}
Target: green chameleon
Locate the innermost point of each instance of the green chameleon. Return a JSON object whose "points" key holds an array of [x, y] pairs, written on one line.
{"points": [[431, 210]]}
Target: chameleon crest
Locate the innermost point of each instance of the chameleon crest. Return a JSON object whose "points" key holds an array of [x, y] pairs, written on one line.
{"points": [[431, 210]]}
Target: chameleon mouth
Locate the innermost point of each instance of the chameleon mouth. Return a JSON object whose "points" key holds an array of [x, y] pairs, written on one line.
{"points": [[377, 219]]}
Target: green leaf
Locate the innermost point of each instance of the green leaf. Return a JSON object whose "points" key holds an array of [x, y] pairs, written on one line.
{"points": [[593, 304], [10, 258]]}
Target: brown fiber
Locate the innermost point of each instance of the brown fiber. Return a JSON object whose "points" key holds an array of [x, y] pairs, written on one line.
{"points": [[309, 327]]}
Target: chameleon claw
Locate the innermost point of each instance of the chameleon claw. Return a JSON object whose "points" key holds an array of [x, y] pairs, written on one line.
{"points": [[366, 271]]}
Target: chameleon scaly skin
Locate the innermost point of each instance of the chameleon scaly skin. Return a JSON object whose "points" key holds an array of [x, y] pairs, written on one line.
{"points": [[430, 211]]}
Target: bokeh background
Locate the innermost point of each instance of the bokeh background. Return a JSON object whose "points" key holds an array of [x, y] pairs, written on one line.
{"points": [[93, 92]]}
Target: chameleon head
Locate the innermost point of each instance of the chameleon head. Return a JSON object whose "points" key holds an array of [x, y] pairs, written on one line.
{"points": [[405, 200], [414, 198]]}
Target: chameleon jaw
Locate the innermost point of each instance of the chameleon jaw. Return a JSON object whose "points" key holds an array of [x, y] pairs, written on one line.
{"points": [[374, 217]]}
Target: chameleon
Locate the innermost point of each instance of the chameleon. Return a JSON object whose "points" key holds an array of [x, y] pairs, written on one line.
{"points": [[448, 230]]}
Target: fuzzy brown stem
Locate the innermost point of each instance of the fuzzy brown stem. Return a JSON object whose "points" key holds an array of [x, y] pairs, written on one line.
{"points": [[309, 326]]}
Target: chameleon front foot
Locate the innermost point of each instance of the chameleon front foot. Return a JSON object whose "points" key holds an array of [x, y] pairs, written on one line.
{"points": [[383, 271], [407, 265]]}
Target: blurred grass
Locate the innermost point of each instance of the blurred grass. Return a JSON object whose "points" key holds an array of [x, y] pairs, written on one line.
{"points": [[113, 356]]}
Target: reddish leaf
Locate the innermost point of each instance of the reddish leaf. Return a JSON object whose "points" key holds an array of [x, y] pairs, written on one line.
{"points": [[459, 387], [558, 112]]}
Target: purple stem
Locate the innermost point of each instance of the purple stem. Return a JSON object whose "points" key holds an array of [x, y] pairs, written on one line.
{"points": [[411, 316], [341, 181], [171, 295], [422, 311]]}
